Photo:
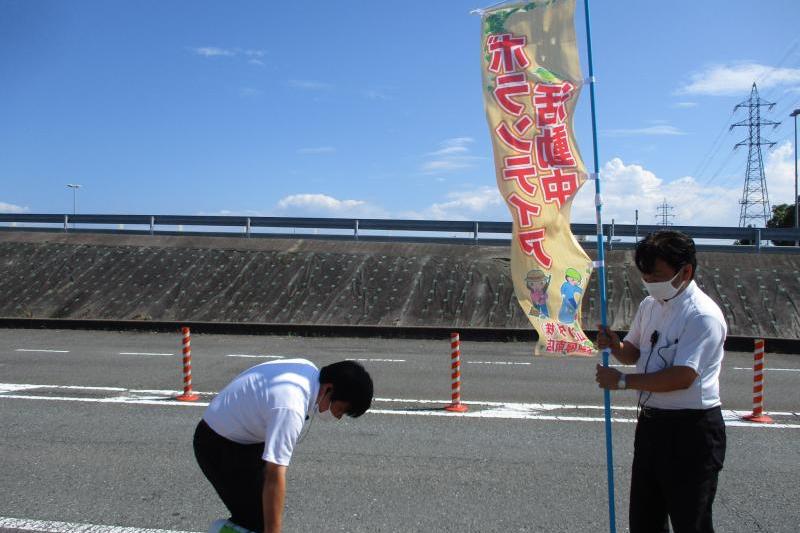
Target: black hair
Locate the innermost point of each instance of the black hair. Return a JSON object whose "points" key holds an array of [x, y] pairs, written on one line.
{"points": [[673, 247], [351, 383]]}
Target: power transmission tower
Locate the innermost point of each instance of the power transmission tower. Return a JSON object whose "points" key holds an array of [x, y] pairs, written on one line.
{"points": [[665, 213], [755, 200]]}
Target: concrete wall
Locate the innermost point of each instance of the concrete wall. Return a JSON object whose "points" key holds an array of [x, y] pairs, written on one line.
{"points": [[304, 281]]}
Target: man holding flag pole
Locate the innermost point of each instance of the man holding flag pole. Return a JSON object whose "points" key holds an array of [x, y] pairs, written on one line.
{"points": [[676, 342]]}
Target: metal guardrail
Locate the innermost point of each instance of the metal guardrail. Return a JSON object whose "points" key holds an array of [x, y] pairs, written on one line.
{"points": [[155, 224]]}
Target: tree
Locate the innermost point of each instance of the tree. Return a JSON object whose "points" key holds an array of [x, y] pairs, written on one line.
{"points": [[782, 217]]}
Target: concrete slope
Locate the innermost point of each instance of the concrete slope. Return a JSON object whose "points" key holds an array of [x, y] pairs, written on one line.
{"points": [[306, 281]]}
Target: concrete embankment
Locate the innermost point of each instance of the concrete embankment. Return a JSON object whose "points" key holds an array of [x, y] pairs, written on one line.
{"points": [[342, 283]]}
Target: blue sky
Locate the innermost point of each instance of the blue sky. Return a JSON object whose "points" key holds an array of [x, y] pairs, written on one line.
{"points": [[369, 109]]}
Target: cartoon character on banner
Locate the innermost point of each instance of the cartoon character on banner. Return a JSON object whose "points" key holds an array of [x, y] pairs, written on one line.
{"points": [[570, 291], [538, 282]]}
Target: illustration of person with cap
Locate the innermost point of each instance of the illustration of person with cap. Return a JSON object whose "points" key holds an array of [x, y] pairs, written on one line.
{"points": [[569, 299]]}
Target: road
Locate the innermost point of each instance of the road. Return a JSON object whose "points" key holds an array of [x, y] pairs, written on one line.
{"points": [[92, 436]]}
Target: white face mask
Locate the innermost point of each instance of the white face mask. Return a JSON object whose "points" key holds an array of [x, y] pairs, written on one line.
{"points": [[325, 416], [663, 290]]}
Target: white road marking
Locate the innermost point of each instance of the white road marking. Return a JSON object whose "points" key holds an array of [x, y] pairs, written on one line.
{"points": [[40, 350], [768, 369], [64, 527], [501, 410], [379, 360], [144, 353], [494, 363], [256, 356]]}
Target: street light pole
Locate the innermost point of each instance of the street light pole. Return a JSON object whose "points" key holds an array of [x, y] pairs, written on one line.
{"points": [[74, 187], [796, 225]]}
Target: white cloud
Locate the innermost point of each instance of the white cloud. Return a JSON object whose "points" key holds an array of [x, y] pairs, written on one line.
{"points": [[626, 188], [247, 92], [253, 56], [659, 129], [213, 51], [779, 171], [317, 150], [324, 205], [11, 208], [484, 202], [737, 79], [453, 154], [309, 85]]}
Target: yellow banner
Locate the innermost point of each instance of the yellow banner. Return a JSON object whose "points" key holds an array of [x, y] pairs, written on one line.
{"points": [[531, 82]]}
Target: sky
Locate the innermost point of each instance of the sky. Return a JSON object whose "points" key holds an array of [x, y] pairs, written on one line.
{"points": [[372, 109]]}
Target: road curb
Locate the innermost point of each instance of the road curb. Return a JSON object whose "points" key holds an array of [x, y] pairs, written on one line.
{"points": [[733, 343]]}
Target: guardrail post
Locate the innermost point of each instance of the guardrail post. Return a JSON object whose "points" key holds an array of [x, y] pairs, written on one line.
{"points": [[247, 228], [475, 231], [758, 240], [152, 224], [355, 230], [66, 223]]}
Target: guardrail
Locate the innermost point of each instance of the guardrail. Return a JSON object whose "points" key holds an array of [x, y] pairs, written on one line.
{"points": [[753, 238]]}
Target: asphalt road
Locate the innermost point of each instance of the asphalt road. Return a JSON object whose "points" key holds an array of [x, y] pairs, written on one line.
{"points": [[91, 435]]}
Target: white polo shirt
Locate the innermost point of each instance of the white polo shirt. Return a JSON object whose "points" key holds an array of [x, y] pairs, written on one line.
{"points": [[691, 332], [267, 403]]}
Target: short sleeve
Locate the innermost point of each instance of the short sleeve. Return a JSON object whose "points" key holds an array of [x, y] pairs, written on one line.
{"points": [[283, 429], [701, 340], [635, 333]]}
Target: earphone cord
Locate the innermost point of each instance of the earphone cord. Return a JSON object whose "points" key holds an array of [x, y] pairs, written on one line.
{"points": [[640, 404]]}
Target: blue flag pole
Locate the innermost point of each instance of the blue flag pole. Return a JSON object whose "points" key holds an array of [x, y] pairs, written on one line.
{"points": [[601, 268]]}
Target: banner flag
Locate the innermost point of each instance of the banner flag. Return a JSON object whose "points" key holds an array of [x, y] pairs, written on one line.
{"points": [[531, 81]]}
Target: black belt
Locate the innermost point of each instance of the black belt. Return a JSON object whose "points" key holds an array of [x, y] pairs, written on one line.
{"points": [[676, 414]]}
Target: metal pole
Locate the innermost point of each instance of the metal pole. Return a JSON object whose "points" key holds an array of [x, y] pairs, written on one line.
{"points": [[796, 225], [74, 187], [601, 270], [611, 236], [636, 226]]}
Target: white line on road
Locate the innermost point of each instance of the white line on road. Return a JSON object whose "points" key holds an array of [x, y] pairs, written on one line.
{"points": [[494, 363], [501, 410], [255, 356], [64, 527], [40, 350], [379, 360], [144, 353], [767, 369]]}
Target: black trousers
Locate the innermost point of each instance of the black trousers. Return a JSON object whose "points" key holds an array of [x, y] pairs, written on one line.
{"points": [[676, 462], [237, 473]]}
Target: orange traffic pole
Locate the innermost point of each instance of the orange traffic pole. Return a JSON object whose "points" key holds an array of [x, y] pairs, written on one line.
{"points": [[188, 395], [455, 376]]}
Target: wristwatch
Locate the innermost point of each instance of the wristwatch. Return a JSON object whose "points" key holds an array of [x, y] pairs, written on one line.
{"points": [[622, 384]]}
